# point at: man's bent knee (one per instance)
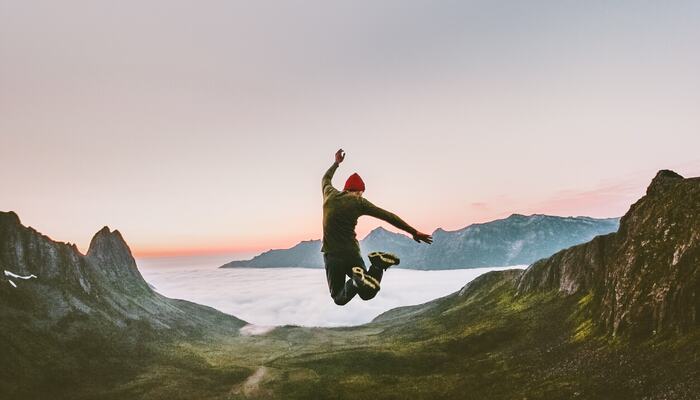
(368, 295)
(340, 301)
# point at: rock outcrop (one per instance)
(645, 278)
(112, 257)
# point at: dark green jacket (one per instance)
(340, 213)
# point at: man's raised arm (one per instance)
(326, 180)
(326, 185)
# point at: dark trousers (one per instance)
(338, 267)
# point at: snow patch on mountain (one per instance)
(13, 275)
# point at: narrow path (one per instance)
(251, 387)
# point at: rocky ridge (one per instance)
(103, 285)
(644, 279)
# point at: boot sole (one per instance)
(387, 258)
(367, 280)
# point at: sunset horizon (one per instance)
(210, 130)
(608, 200)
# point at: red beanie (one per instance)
(355, 183)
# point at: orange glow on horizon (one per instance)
(608, 199)
(178, 251)
(190, 251)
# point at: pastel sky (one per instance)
(202, 126)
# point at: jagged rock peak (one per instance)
(379, 231)
(111, 255)
(662, 180)
(105, 239)
(667, 173)
(109, 248)
(9, 217)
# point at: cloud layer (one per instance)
(298, 296)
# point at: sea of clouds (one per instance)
(294, 296)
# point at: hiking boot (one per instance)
(383, 260)
(363, 281)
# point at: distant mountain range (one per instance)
(516, 240)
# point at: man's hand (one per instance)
(339, 156)
(423, 237)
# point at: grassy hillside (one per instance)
(491, 343)
(488, 342)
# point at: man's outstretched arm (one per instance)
(377, 212)
(326, 184)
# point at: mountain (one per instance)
(304, 254)
(80, 312)
(104, 282)
(644, 279)
(516, 240)
(613, 318)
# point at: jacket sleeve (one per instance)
(370, 209)
(326, 185)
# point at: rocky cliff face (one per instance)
(644, 279)
(104, 286)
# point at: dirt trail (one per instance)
(251, 387)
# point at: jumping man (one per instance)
(341, 251)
